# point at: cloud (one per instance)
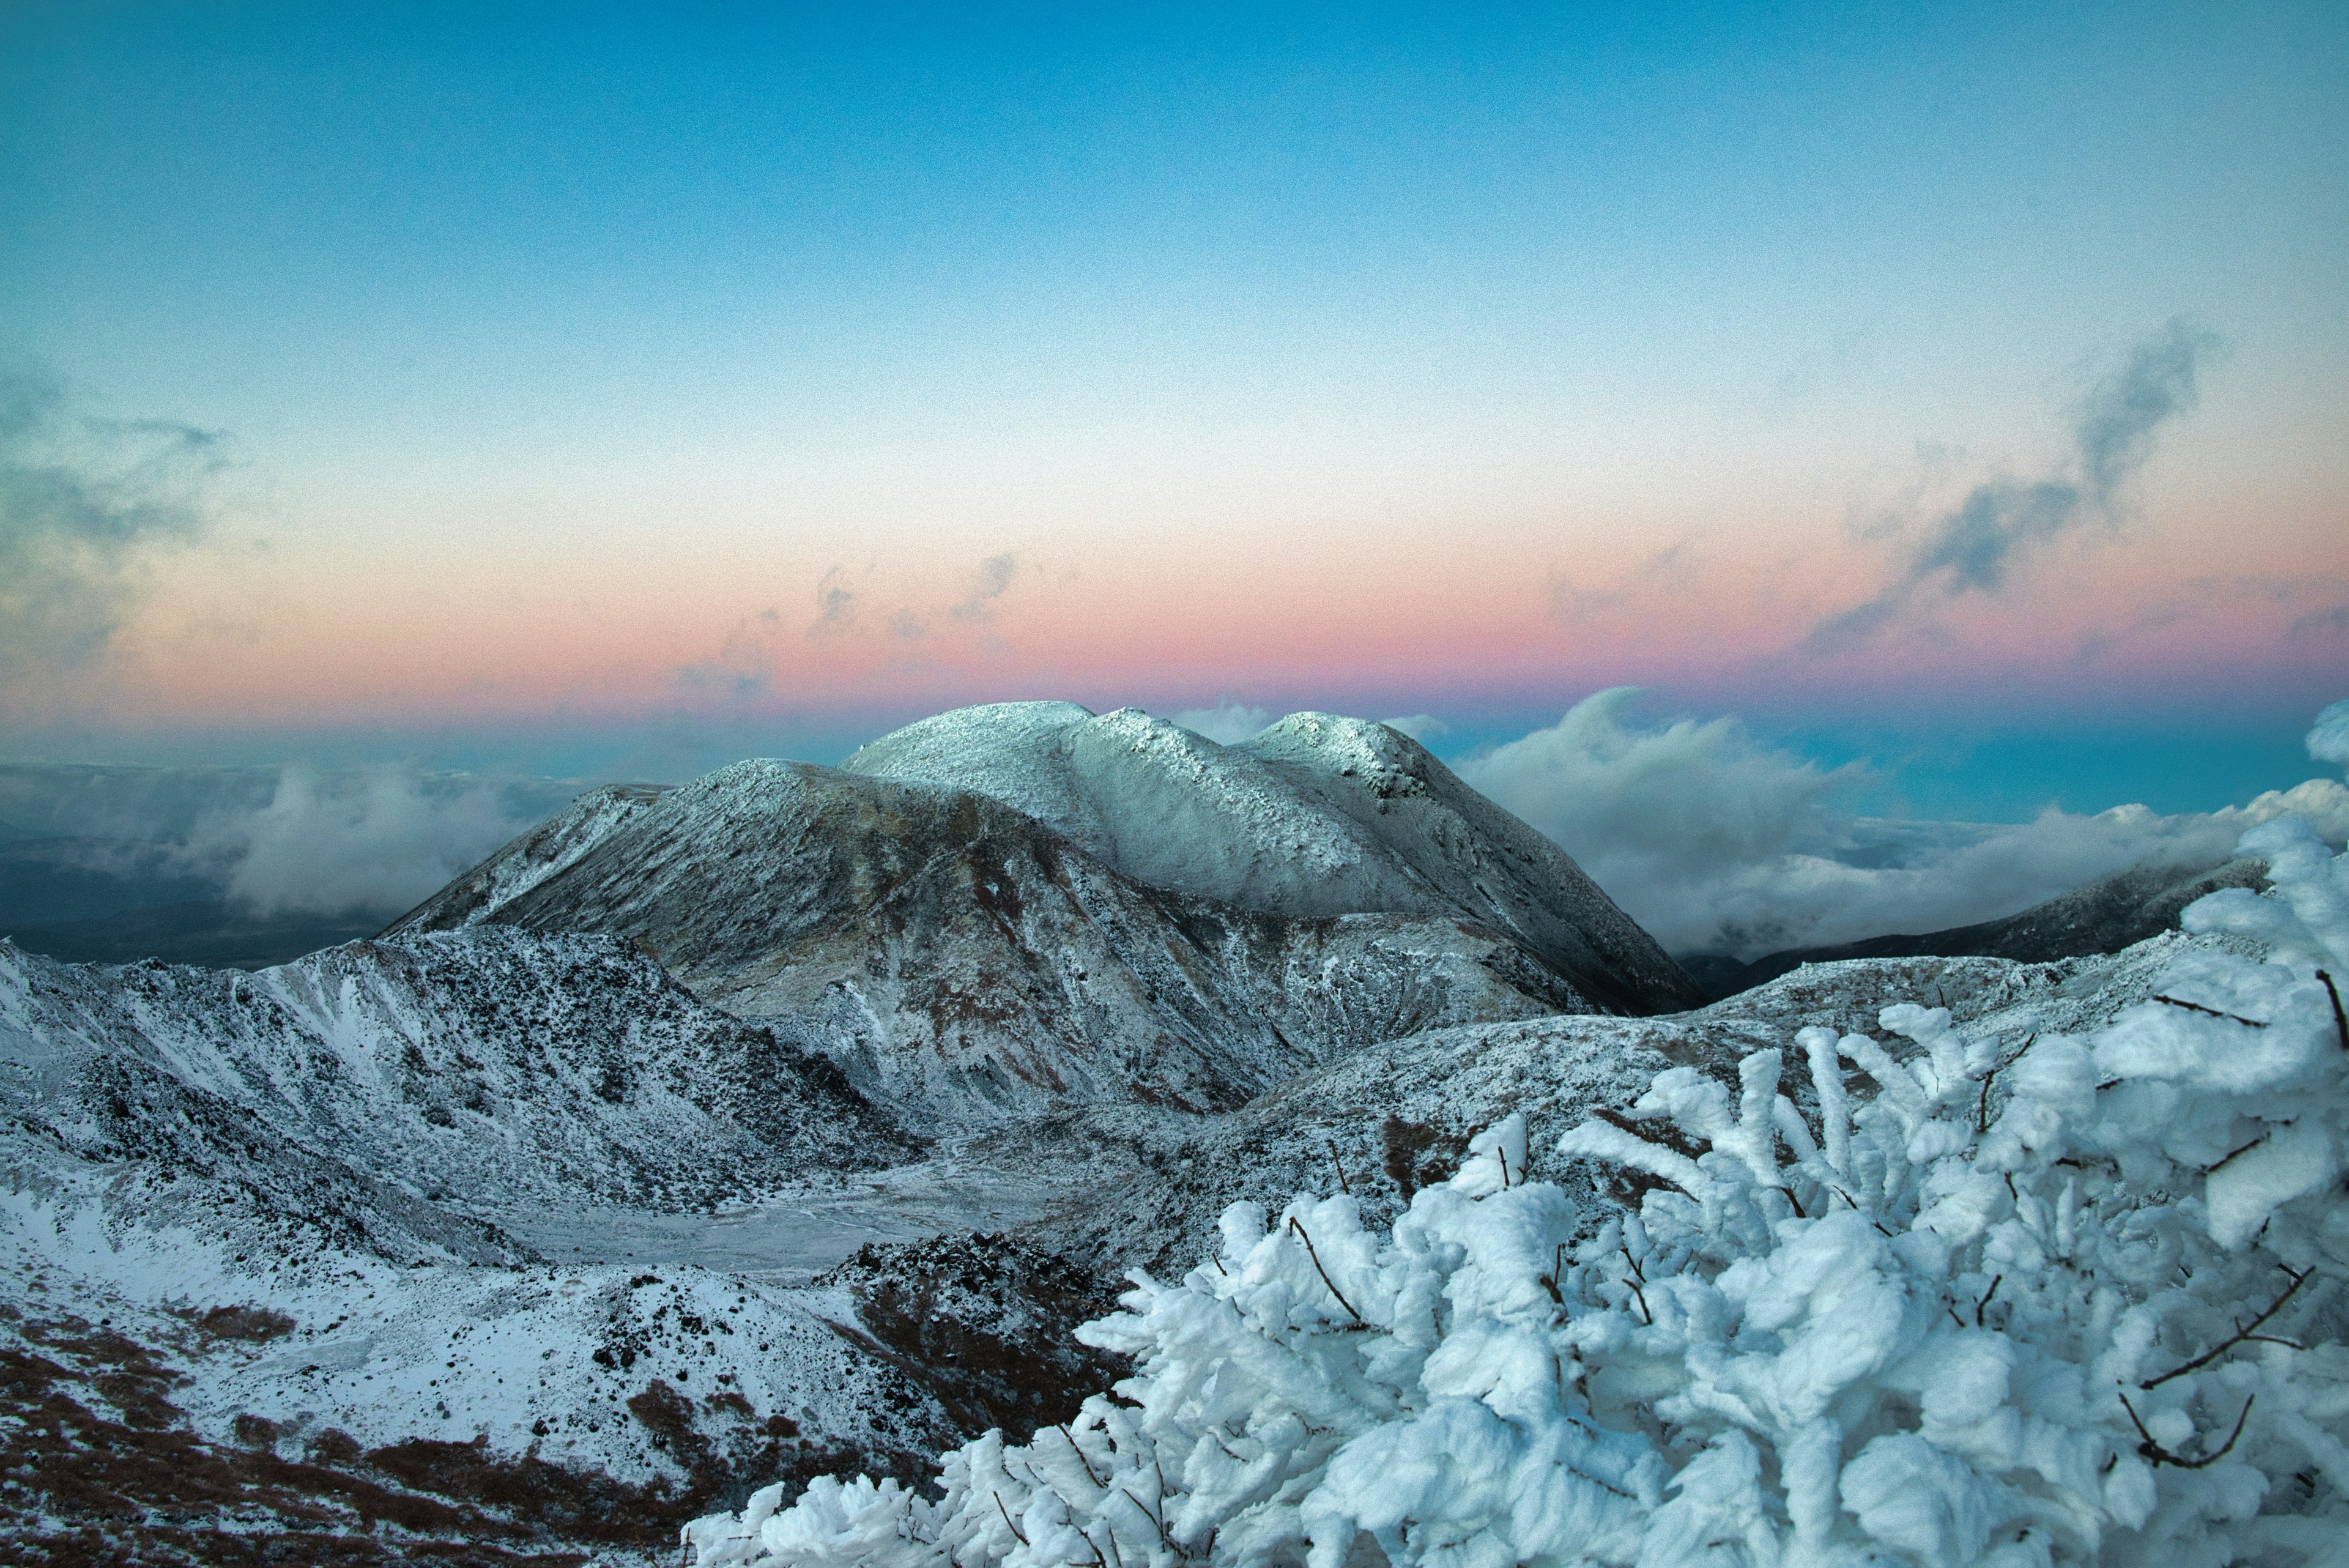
(836, 605)
(1225, 723)
(1570, 602)
(989, 583)
(2328, 738)
(375, 841)
(2331, 621)
(1419, 727)
(84, 501)
(1718, 843)
(1975, 546)
(744, 669)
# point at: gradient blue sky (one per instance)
(566, 364)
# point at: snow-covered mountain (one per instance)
(1316, 816)
(1004, 910)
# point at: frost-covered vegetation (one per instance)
(1941, 1298)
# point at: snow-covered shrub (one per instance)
(1940, 1300)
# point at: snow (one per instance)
(1316, 815)
(1969, 1286)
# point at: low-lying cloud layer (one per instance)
(297, 840)
(1717, 843)
(374, 841)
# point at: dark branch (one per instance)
(1081, 1459)
(2340, 1019)
(1318, 1268)
(2214, 1012)
(2249, 1331)
(1007, 1517)
(1982, 1112)
(2161, 1456)
(1638, 1278)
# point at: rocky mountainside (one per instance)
(949, 948)
(1316, 816)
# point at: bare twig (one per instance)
(1982, 1306)
(1556, 1267)
(2214, 1012)
(1081, 1459)
(1006, 1518)
(1637, 1280)
(1156, 1523)
(2233, 1155)
(1343, 1184)
(2161, 1456)
(2340, 1019)
(1503, 1155)
(2242, 1333)
(1318, 1268)
(1982, 1112)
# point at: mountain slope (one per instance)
(514, 1069)
(1317, 815)
(953, 953)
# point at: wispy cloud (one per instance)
(1419, 727)
(1572, 602)
(835, 604)
(84, 501)
(989, 583)
(744, 669)
(1976, 546)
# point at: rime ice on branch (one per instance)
(1937, 1298)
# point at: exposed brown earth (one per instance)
(98, 1466)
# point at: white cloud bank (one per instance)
(1718, 843)
(375, 840)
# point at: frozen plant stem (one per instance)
(1343, 1184)
(2250, 1332)
(2340, 1019)
(1637, 1280)
(2212, 1011)
(1081, 1459)
(1982, 1112)
(2161, 1456)
(1318, 1268)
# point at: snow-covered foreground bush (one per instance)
(2062, 1299)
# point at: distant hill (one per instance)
(2103, 917)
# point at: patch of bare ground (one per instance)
(985, 1324)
